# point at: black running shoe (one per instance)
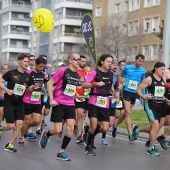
(114, 132)
(162, 142)
(10, 148)
(89, 151)
(92, 144)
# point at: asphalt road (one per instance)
(119, 154)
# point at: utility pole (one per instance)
(166, 36)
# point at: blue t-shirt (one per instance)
(115, 81)
(133, 77)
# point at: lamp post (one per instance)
(166, 36)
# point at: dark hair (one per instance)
(140, 56)
(22, 56)
(4, 65)
(31, 56)
(103, 58)
(82, 56)
(40, 60)
(122, 61)
(43, 55)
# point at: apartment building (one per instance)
(143, 17)
(14, 33)
(66, 35)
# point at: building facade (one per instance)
(14, 33)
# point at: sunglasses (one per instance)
(32, 59)
(76, 59)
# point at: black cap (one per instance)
(157, 65)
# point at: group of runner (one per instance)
(75, 91)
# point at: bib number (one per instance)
(133, 85)
(35, 96)
(119, 105)
(159, 91)
(101, 101)
(19, 89)
(70, 90)
(87, 91)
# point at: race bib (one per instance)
(113, 100)
(35, 96)
(119, 105)
(87, 91)
(19, 89)
(101, 101)
(133, 85)
(70, 90)
(159, 91)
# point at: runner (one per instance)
(154, 96)
(100, 80)
(32, 99)
(62, 103)
(114, 100)
(4, 69)
(18, 80)
(79, 99)
(133, 75)
(121, 118)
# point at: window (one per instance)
(147, 3)
(21, 3)
(98, 33)
(125, 6)
(156, 2)
(132, 52)
(146, 51)
(154, 52)
(98, 11)
(150, 52)
(151, 25)
(133, 28)
(134, 5)
(117, 8)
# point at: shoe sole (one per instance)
(132, 132)
(41, 138)
(63, 159)
(86, 152)
(152, 155)
(9, 150)
(21, 144)
(79, 142)
(162, 145)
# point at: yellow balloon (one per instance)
(43, 20)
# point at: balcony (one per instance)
(68, 20)
(76, 4)
(70, 38)
(16, 49)
(19, 34)
(20, 21)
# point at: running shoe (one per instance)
(89, 150)
(31, 135)
(43, 140)
(79, 139)
(60, 134)
(147, 144)
(134, 133)
(153, 152)
(10, 148)
(63, 156)
(114, 132)
(162, 142)
(38, 132)
(26, 133)
(103, 142)
(21, 141)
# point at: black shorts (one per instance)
(102, 114)
(130, 97)
(86, 104)
(152, 113)
(80, 105)
(32, 108)
(112, 111)
(165, 110)
(47, 104)
(13, 111)
(61, 112)
(1, 103)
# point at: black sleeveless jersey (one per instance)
(157, 90)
